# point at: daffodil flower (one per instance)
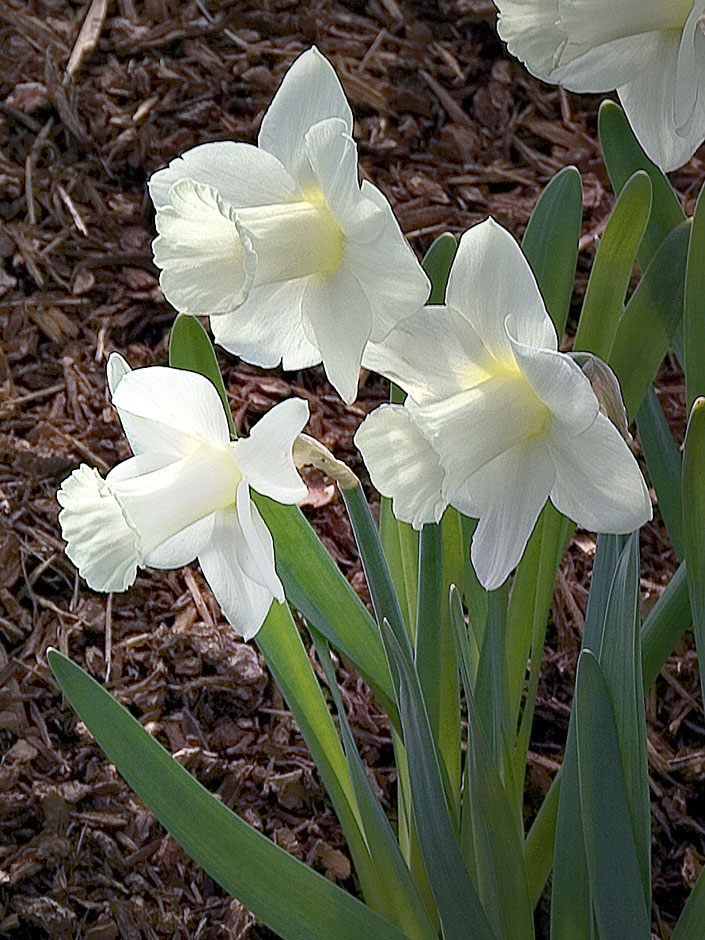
(185, 493)
(294, 261)
(651, 51)
(496, 420)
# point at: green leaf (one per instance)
(693, 484)
(401, 549)
(404, 903)
(650, 319)
(663, 461)
(612, 268)
(316, 587)
(694, 309)
(492, 844)
(280, 643)
(190, 348)
(615, 877)
(437, 264)
(620, 661)
(571, 904)
(624, 157)
(550, 242)
(243, 861)
(690, 924)
(668, 620)
(459, 907)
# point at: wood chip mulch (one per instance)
(94, 97)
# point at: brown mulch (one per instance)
(451, 130)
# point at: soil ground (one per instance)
(451, 129)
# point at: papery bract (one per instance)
(293, 259)
(651, 51)
(496, 420)
(185, 493)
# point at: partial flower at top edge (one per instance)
(650, 51)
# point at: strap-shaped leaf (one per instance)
(437, 264)
(613, 867)
(623, 157)
(690, 924)
(405, 904)
(459, 906)
(620, 660)
(668, 620)
(650, 319)
(315, 586)
(190, 348)
(550, 242)
(612, 268)
(571, 904)
(663, 460)
(694, 524)
(694, 308)
(490, 838)
(296, 902)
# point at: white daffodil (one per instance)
(293, 259)
(496, 420)
(651, 51)
(185, 493)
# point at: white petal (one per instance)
(310, 92)
(606, 66)
(244, 601)
(267, 329)
(161, 497)
(530, 30)
(650, 105)
(117, 368)
(598, 481)
(511, 491)
(688, 80)
(476, 425)
(242, 175)
(205, 267)
(432, 355)
(491, 279)
(388, 270)
(101, 543)
(265, 458)
(181, 549)
(560, 384)
(332, 154)
(337, 318)
(258, 561)
(169, 410)
(402, 464)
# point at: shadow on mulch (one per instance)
(451, 130)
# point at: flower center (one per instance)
(166, 500)
(292, 240)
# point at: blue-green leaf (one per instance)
(243, 861)
(550, 242)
